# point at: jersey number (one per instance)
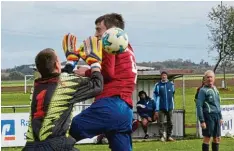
(40, 101)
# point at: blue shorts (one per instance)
(110, 116)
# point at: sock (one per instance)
(205, 147)
(215, 146)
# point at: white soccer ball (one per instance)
(115, 41)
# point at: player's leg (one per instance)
(61, 143)
(169, 125)
(91, 122)
(135, 124)
(119, 133)
(100, 138)
(161, 125)
(207, 132)
(144, 123)
(216, 133)
(104, 115)
(120, 141)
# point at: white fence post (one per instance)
(25, 82)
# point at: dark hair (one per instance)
(164, 72)
(111, 20)
(45, 62)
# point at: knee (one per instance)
(74, 130)
(216, 139)
(144, 123)
(206, 140)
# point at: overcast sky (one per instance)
(157, 30)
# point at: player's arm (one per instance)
(156, 97)
(199, 103)
(91, 52)
(141, 109)
(173, 89)
(108, 67)
(89, 87)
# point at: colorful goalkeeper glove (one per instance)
(69, 48)
(91, 52)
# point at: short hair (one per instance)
(142, 92)
(111, 20)
(208, 72)
(164, 72)
(46, 62)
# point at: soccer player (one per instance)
(111, 113)
(164, 98)
(209, 113)
(146, 109)
(54, 94)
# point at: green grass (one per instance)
(16, 83)
(199, 77)
(181, 145)
(9, 99)
(187, 77)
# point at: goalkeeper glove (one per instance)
(69, 48)
(91, 52)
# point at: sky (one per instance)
(157, 30)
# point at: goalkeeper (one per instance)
(55, 93)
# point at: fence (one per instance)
(178, 120)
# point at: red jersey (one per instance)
(120, 75)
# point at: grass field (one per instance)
(187, 77)
(23, 99)
(16, 83)
(182, 145)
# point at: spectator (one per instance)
(146, 109)
(164, 98)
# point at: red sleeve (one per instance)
(88, 73)
(108, 66)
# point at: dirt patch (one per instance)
(178, 84)
(15, 89)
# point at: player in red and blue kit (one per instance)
(111, 113)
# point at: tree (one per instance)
(16, 75)
(221, 27)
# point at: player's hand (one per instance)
(203, 125)
(155, 116)
(149, 119)
(91, 51)
(221, 121)
(69, 48)
(81, 71)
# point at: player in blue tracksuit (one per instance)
(209, 113)
(146, 109)
(164, 98)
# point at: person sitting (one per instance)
(146, 110)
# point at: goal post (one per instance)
(26, 78)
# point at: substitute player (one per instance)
(111, 113)
(209, 113)
(55, 93)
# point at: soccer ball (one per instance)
(115, 41)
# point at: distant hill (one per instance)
(18, 72)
